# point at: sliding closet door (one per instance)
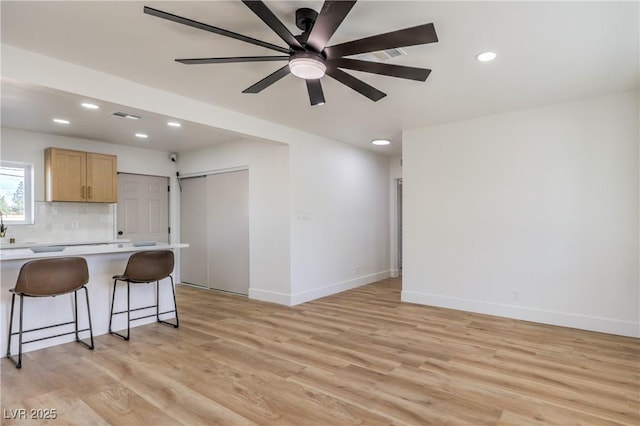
(228, 231)
(193, 230)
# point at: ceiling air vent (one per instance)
(381, 55)
(126, 115)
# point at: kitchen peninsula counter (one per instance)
(81, 250)
(104, 261)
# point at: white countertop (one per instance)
(82, 250)
(5, 245)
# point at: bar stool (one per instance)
(145, 267)
(50, 278)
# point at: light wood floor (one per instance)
(360, 357)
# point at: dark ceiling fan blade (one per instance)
(400, 71)
(268, 80)
(422, 34)
(331, 16)
(356, 84)
(316, 96)
(264, 13)
(212, 29)
(197, 61)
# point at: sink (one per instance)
(46, 249)
(144, 243)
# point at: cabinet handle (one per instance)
(89, 191)
(83, 192)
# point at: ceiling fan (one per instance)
(308, 55)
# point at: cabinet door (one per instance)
(102, 182)
(66, 173)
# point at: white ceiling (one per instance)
(548, 52)
(25, 106)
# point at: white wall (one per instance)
(317, 211)
(531, 215)
(340, 218)
(268, 164)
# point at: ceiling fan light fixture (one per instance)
(307, 67)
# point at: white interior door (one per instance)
(143, 207)
(228, 231)
(194, 260)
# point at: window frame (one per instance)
(29, 202)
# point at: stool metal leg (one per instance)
(18, 362)
(128, 311)
(175, 306)
(86, 293)
(75, 313)
(13, 302)
(113, 297)
(75, 294)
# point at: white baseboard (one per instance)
(583, 322)
(316, 293)
(270, 296)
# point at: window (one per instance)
(16, 192)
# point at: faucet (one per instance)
(3, 228)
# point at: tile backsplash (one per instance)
(66, 222)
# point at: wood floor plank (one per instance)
(166, 394)
(354, 358)
(120, 405)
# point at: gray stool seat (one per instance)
(145, 267)
(49, 278)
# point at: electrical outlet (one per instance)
(357, 269)
(516, 295)
(74, 224)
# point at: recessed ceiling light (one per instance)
(486, 56)
(88, 105)
(60, 121)
(141, 135)
(381, 142)
(174, 124)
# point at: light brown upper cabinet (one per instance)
(80, 176)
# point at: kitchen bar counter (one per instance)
(82, 250)
(104, 261)
(5, 245)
